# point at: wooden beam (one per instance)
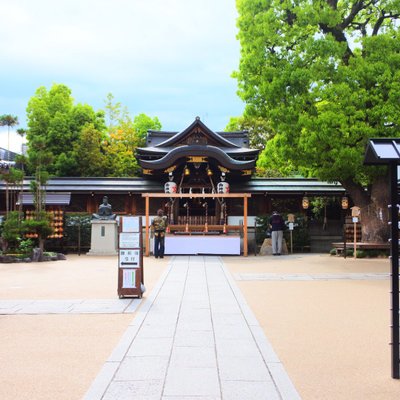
(147, 238)
(245, 244)
(245, 196)
(196, 195)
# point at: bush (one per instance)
(76, 224)
(300, 234)
(26, 246)
(361, 254)
(12, 231)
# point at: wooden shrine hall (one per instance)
(197, 166)
(202, 179)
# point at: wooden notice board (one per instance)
(130, 258)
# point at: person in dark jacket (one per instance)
(276, 224)
(158, 226)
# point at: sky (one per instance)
(167, 58)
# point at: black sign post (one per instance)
(386, 151)
(394, 227)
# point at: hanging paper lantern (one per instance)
(223, 187)
(170, 187)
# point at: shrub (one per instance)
(75, 225)
(361, 254)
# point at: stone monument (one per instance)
(104, 241)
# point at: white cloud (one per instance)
(162, 48)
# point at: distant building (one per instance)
(7, 159)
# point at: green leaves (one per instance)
(323, 93)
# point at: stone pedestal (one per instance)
(266, 248)
(104, 240)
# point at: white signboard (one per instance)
(129, 258)
(130, 224)
(129, 279)
(291, 226)
(129, 240)
(355, 219)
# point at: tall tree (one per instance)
(258, 129)
(326, 74)
(124, 136)
(141, 124)
(9, 121)
(92, 160)
(55, 119)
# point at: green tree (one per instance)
(9, 121)
(55, 119)
(124, 136)
(326, 75)
(92, 160)
(141, 124)
(258, 129)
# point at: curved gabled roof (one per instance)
(212, 135)
(195, 150)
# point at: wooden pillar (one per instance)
(147, 236)
(245, 250)
(134, 201)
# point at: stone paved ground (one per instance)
(194, 338)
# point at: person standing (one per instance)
(158, 226)
(276, 224)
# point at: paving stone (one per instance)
(229, 332)
(183, 381)
(142, 369)
(101, 381)
(237, 347)
(156, 331)
(150, 347)
(124, 344)
(241, 390)
(191, 398)
(193, 357)
(128, 390)
(187, 338)
(242, 368)
(194, 338)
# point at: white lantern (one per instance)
(170, 187)
(223, 187)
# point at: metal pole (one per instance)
(79, 237)
(344, 234)
(395, 271)
(355, 239)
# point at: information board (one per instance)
(129, 240)
(130, 224)
(130, 258)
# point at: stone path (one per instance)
(193, 338)
(310, 277)
(35, 307)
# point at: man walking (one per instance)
(276, 224)
(158, 226)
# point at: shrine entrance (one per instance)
(218, 232)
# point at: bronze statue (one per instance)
(105, 211)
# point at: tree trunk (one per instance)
(374, 209)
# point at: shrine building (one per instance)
(203, 180)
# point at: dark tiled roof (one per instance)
(139, 185)
(382, 151)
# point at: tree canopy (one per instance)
(325, 74)
(77, 141)
(55, 121)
